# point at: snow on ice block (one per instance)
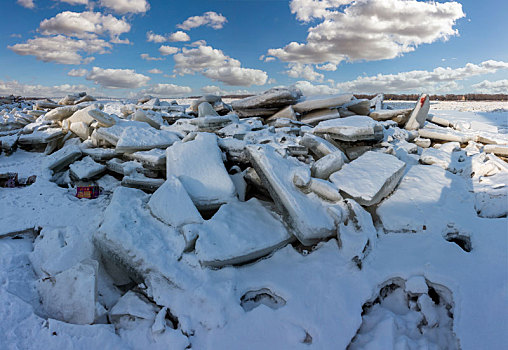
(329, 102)
(329, 164)
(155, 158)
(240, 232)
(57, 249)
(500, 150)
(134, 239)
(419, 114)
(273, 98)
(428, 197)
(317, 145)
(41, 136)
(63, 157)
(387, 114)
(311, 218)
(444, 134)
(86, 168)
(369, 178)
(70, 296)
(355, 128)
(172, 204)
(143, 139)
(198, 165)
(61, 113)
(132, 304)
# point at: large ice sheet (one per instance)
(369, 178)
(198, 165)
(171, 204)
(240, 232)
(143, 139)
(310, 218)
(353, 128)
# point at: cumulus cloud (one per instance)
(155, 38)
(76, 2)
(168, 50)
(492, 87)
(210, 19)
(155, 71)
(126, 6)
(305, 71)
(328, 67)
(117, 78)
(30, 90)
(439, 79)
(215, 90)
(179, 36)
(214, 64)
(166, 90)
(368, 29)
(61, 49)
(197, 43)
(147, 57)
(77, 72)
(29, 4)
(85, 25)
(308, 89)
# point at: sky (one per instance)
(164, 48)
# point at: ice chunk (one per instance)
(132, 304)
(70, 296)
(287, 113)
(419, 114)
(86, 168)
(100, 154)
(134, 239)
(199, 166)
(359, 107)
(353, 128)
(306, 213)
(140, 181)
(369, 178)
(63, 157)
(155, 158)
(81, 129)
(444, 134)
(317, 145)
(500, 150)
(314, 117)
(61, 113)
(387, 114)
(240, 232)
(329, 164)
(273, 98)
(206, 110)
(142, 139)
(329, 102)
(171, 204)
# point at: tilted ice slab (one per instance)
(369, 178)
(63, 157)
(240, 232)
(86, 168)
(329, 102)
(419, 114)
(427, 197)
(171, 204)
(273, 98)
(143, 139)
(311, 218)
(70, 296)
(198, 165)
(133, 238)
(354, 128)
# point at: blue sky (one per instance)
(321, 46)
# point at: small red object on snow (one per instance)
(89, 192)
(422, 101)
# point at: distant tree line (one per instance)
(448, 97)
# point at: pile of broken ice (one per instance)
(233, 183)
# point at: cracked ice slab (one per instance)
(240, 232)
(198, 165)
(311, 218)
(133, 238)
(369, 178)
(354, 128)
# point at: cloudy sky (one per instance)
(182, 48)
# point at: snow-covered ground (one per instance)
(429, 272)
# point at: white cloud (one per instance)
(84, 25)
(61, 49)
(166, 90)
(439, 79)
(147, 57)
(212, 89)
(155, 38)
(492, 87)
(16, 88)
(305, 71)
(368, 29)
(210, 19)
(214, 64)
(155, 71)
(179, 36)
(197, 43)
(126, 6)
(117, 78)
(77, 72)
(29, 4)
(328, 67)
(76, 2)
(168, 50)
(308, 89)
